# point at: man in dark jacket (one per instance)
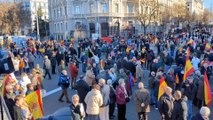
(83, 88)
(151, 87)
(189, 92)
(53, 62)
(166, 104)
(180, 107)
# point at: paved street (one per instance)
(51, 103)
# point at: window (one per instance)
(66, 25)
(104, 7)
(55, 27)
(58, 27)
(116, 8)
(130, 8)
(77, 10)
(60, 11)
(62, 26)
(54, 14)
(65, 10)
(91, 8)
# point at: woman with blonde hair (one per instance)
(24, 81)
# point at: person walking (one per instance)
(46, 67)
(73, 73)
(180, 107)
(94, 100)
(64, 84)
(121, 95)
(166, 104)
(53, 63)
(105, 91)
(142, 100)
(139, 72)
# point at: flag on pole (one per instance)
(207, 91)
(34, 101)
(188, 70)
(162, 87)
(177, 80)
(188, 52)
(4, 84)
(191, 41)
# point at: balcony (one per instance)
(90, 15)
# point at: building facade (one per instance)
(84, 18)
(33, 6)
(195, 6)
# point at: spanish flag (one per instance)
(34, 100)
(207, 47)
(188, 52)
(4, 84)
(177, 80)
(188, 70)
(128, 49)
(191, 41)
(207, 91)
(162, 87)
(102, 64)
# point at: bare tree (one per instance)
(206, 16)
(148, 11)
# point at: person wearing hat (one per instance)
(82, 88)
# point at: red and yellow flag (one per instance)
(162, 87)
(5, 82)
(34, 100)
(188, 70)
(102, 64)
(207, 91)
(207, 47)
(188, 52)
(128, 49)
(191, 41)
(177, 80)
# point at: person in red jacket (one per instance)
(73, 73)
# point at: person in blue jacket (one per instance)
(64, 84)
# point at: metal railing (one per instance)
(4, 112)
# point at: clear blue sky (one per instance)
(208, 3)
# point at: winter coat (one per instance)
(189, 91)
(166, 106)
(197, 117)
(76, 111)
(139, 72)
(120, 95)
(63, 81)
(83, 88)
(180, 110)
(47, 64)
(112, 95)
(151, 83)
(170, 81)
(142, 96)
(156, 85)
(53, 61)
(93, 100)
(73, 70)
(105, 91)
(200, 90)
(90, 77)
(18, 114)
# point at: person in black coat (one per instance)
(166, 104)
(203, 115)
(82, 88)
(53, 63)
(59, 57)
(77, 110)
(112, 97)
(180, 107)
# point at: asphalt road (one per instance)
(51, 103)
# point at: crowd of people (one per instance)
(109, 73)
